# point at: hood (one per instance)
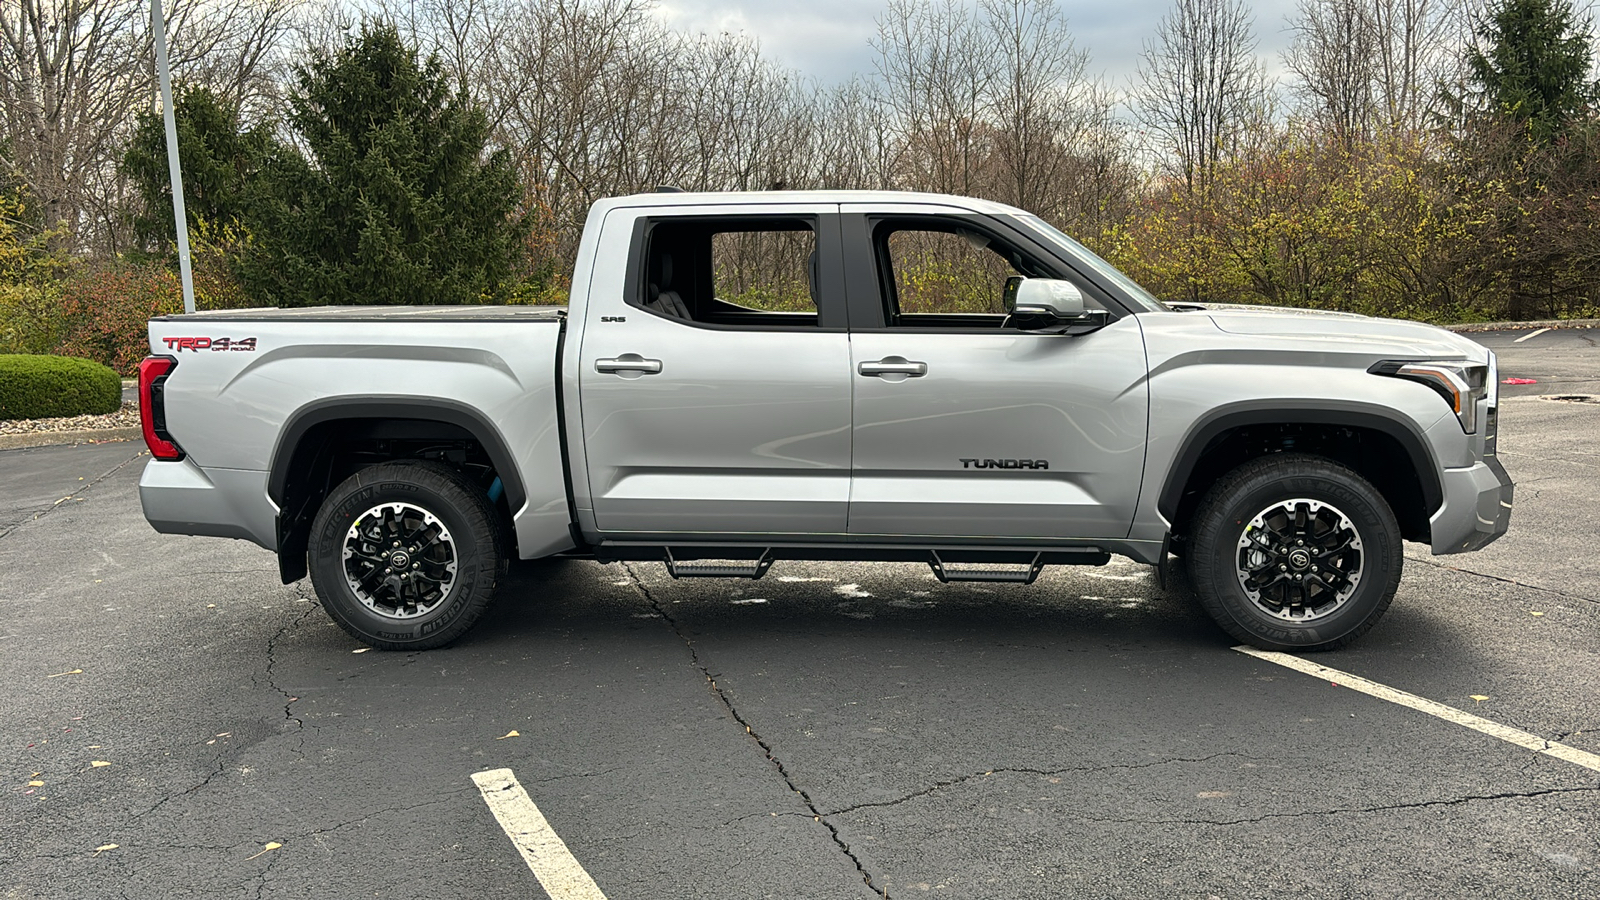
(1397, 337)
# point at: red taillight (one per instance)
(153, 372)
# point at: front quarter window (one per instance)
(1102, 269)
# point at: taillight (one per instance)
(153, 372)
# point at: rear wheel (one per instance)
(1295, 552)
(406, 555)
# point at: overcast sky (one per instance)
(827, 39)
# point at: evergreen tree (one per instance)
(219, 161)
(1531, 63)
(397, 201)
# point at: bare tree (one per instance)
(74, 72)
(1370, 64)
(937, 77)
(1038, 97)
(1415, 52)
(1335, 55)
(1202, 86)
(70, 78)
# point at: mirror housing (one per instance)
(1049, 297)
(1050, 305)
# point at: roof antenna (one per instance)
(668, 189)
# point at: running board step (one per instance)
(752, 570)
(1025, 575)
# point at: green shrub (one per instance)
(43, 387)
(106, 308)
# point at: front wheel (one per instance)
(406, 555)
(1295, 552)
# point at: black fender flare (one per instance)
(291, 540)
(1346, 413)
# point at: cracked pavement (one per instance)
(829, 731)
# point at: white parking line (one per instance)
(1531, 334)
(559, 873)
(1448, 713)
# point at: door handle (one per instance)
(629, 362)
(894, 365)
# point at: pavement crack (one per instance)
(14, 526)
(1503, 580)
(446, 797)
(1338, 811)
(303, 591)
(1016, 770)
(727, 702)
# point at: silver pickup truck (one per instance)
(749, 377)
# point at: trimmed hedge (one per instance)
(44, 387)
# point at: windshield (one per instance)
(1102, 268)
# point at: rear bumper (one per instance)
(182, 498)
(1476, 508)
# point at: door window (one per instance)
(936, 273)
(750, 271)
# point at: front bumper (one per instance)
(1476, 508)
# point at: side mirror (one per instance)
(1043, 297)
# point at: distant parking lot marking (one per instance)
(1448, 713)
(559, 873)
(1531, 334)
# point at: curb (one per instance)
(1524, 326)
(55, 438)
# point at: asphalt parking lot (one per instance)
(178, 724)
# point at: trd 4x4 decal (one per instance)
(206, 343)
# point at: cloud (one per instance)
(828, 39)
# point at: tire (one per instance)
(424, 555)
(1268, 591)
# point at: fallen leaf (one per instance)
(1478, 697)
(269, 847)
(512, 733)
(98, 763)
(103, 848)
(211, 606)
(59, 674)
(361, 650)
(35, 784)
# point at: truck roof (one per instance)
(739, 198)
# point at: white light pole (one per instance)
(179, 217)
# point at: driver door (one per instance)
(965, 427)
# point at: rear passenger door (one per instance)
(716, 390)
(965, 427)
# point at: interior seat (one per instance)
(663, 299)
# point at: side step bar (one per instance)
(949, 564)
(752, 570)
(1025, 575)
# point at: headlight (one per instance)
(1460, 383)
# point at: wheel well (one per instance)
(325, 453)
(1375, 455)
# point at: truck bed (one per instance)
(377, 314)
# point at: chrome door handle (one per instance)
(894, 365)
(629, 362)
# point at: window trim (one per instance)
(865, 271)
(832, 312)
